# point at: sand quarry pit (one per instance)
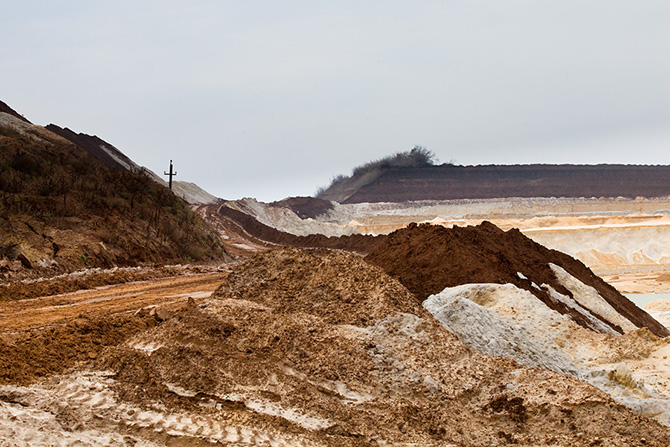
(294, 348)
(613, 236)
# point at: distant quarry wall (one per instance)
(609, 235)
(449, 182)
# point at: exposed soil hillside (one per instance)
(445, 182)
(295, 348)
(428, 258)
(63, 209)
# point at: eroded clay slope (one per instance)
(252, 235)
(64, 209)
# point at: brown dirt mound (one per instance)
(305, 207)
(427, 258)
(337, 287)
(324, 346)
(48, 351)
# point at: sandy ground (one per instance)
(166, 292)
(654, 281)
(208, 374)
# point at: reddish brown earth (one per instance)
(318, 334)
(427, 258)
(21, 290)
(48, 334)
(51, 351)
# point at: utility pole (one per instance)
(170, 174)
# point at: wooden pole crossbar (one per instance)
(170, 174)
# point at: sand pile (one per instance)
(660, 309)
(503, 320)
(508, 296)
(295, 215)
(315, 348)
(320, 348)
(608, 235)
(427, 258)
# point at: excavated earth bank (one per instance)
(25, 357)
(427, 258)
(399, 184)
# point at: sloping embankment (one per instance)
(428, 258)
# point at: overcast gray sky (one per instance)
(269, 99)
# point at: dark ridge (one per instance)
(93, 144)
(355, 243)
(65, 209)
(6, 109)
(427, 258)
(305, 207)
(449, 182)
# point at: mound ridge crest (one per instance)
(428, 258)
(336, 286)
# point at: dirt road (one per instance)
(166, 292)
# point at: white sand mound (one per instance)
(503, 320)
